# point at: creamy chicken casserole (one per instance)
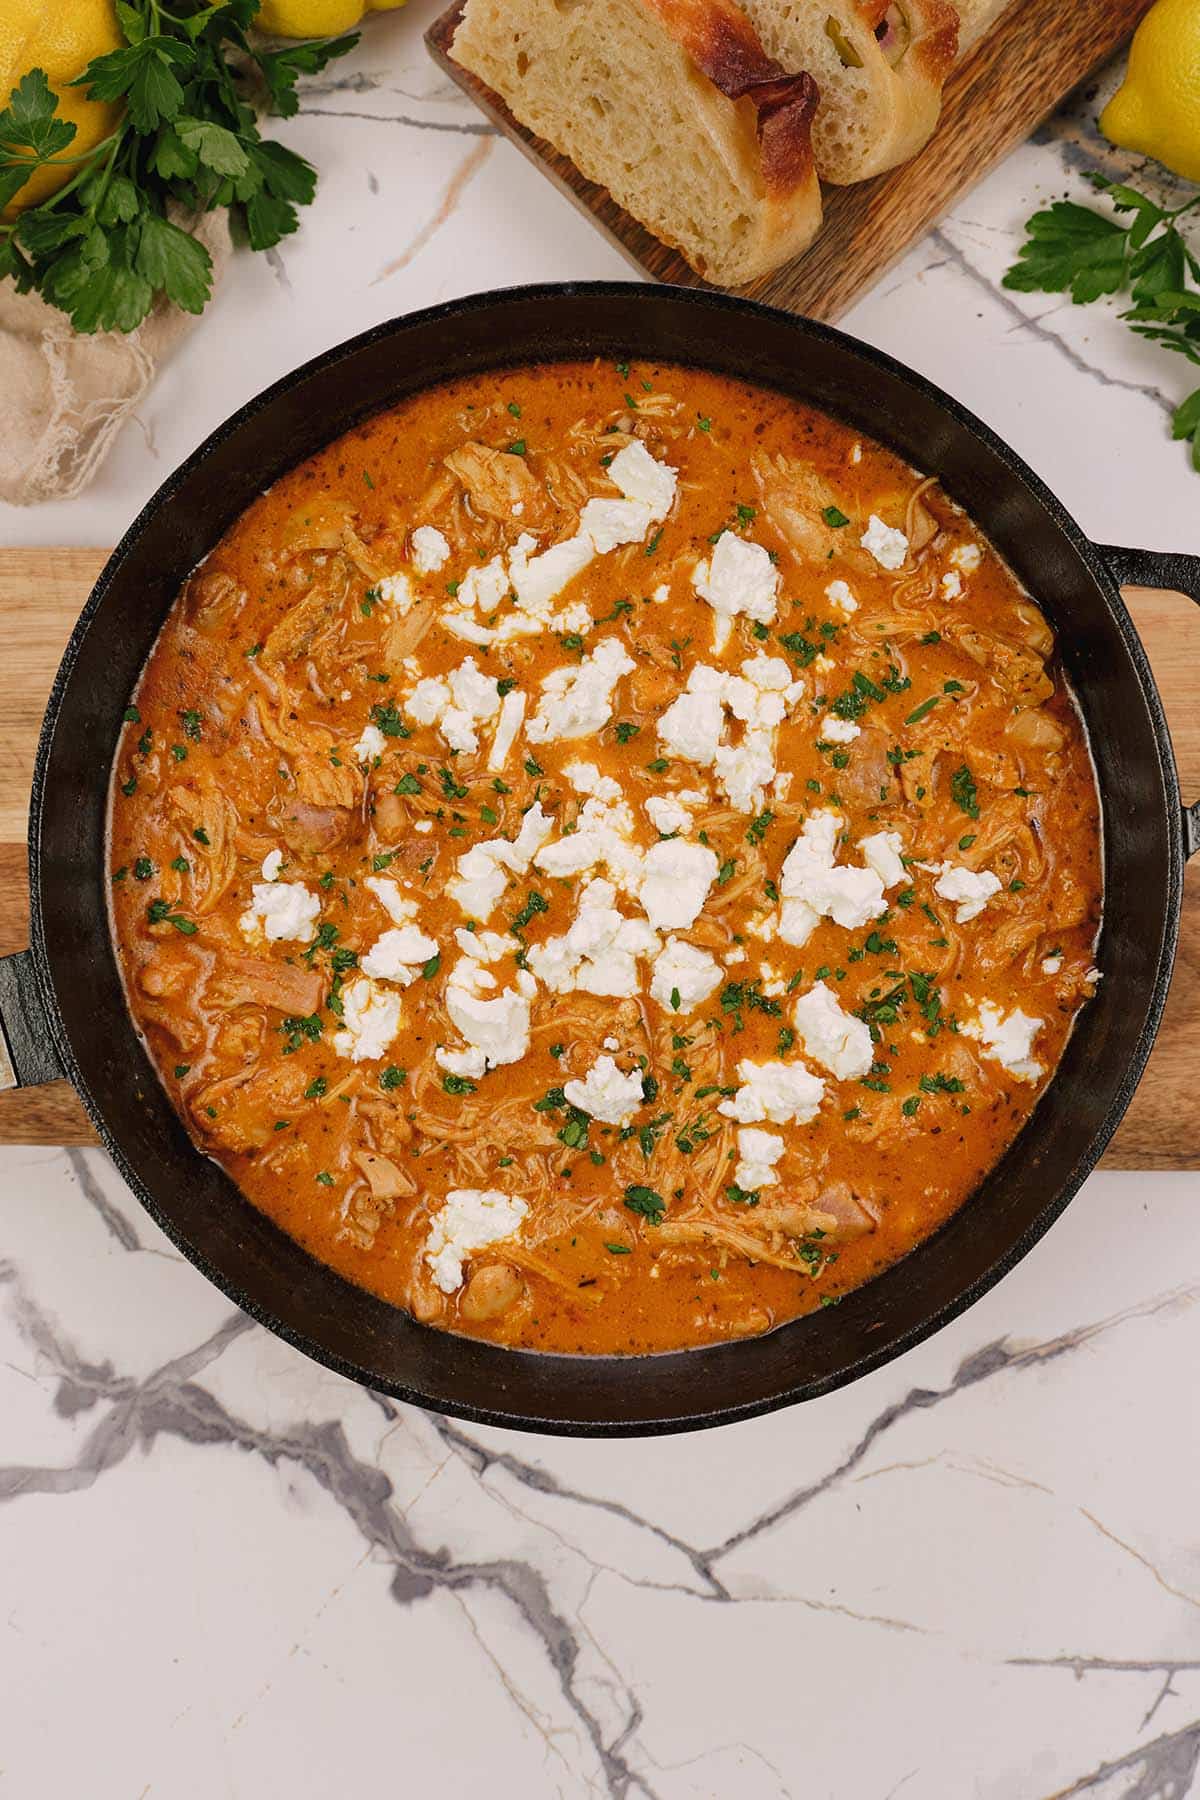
(605, 856)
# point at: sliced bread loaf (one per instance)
(674, 107)
(880, 68)
(975, 19)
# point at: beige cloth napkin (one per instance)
(64, 397)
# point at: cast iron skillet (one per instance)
(61, 1004)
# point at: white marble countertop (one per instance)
(975, 1575)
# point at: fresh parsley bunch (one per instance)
(1078, 250)
(103, 247)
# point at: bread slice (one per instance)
(975, 19)
(674, 107)
(880, 69)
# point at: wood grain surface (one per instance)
(1037, 52)
(41, 592)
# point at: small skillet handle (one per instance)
(27, 1054)
(1172, 569)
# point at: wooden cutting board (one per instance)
(42, 591)
(1036, 53)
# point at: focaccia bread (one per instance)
(880, 67)
(675, 107)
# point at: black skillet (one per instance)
(61, 1004)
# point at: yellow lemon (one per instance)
(316, 18)
(1157, 109)
(61, 37)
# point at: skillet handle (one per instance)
(1160, 569)
(27, 1054)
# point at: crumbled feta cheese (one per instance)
(747, 769)
(661, 594)
(455, 705)
(483, 588)
(538, 580)
(832, 1037)
(396, 590)
(951, 585)
(428, 700)
(813, 888)
(839, 731)
(474, 693)
(471, 1219)
(471, 1063)
(738, 578)
(612, 1043)
(838, 594)
(883, 853)
(371, 744)
(484, 946)
(606, 1093)
(496, 1022)
(666, 814)
(855, 453)
(272, 863)
(691, 726)
(640, 478)
(370, 1020)
(586, 778)
(781, 1092)
(759, 1151)
(603, 834)
(888, 546)
(683, 976)
(1007, 1041)
(399, 955)
(481, 877)
(675, 882)
(430, 549)
(508, 726)
(576, 617)
(284, 911)
(577, 701)
(1051, 965)
(598, 953)
(972, 890)
(966, 557)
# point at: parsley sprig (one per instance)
(103, 247)
(1088, 254)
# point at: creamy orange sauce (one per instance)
(246, 739)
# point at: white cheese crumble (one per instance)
(759, 1151)
(272, 863)
(970, 889)
(471, 1063)
(883, 853)
(839, 731)
(838, 593)
(396, 590)
(371, 744)
(586, 778)
(667, 815)
(951, 585)
(781, 1092)
(430, 549)
(482, 877)
(508, 727)
(282, 911)
(399, 955)
(599, 951)
(603, 834)
(492, 1019)
(693, 726)
(1008, 1041)
(370, 1020)
(966, 557)
(675, 881)
(606, 1093)
(470, 1219)
(484, 946)
(683, 976)
(577, 701)
(832, 1037)
(812, 887)
(738, 578)
(888, 546)
(1051, 965)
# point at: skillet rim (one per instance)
(1015, 467)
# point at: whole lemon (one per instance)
(61, 37)
(316, 18)
(1157, 109)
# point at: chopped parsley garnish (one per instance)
(644, 1201)
(625, 731)
(430, 969)
(727, 871)
(392, 1077)
(534, 903)
(316, 1088)
(757, 830)
(297, 1031)
(920, 712)
(834, 517)
(407, 784)
(386, 716)
(963, 792)
(458, 1084)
